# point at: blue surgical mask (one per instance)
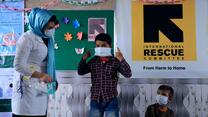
(50, 33)
(162, 100)
(103, 51)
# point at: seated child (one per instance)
(160, 108)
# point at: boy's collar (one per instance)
(163, 109)
(104, 59)
(98, 58)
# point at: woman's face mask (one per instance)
(103, 51)
(50, 33)
(162, 100)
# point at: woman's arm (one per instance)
(23, 50)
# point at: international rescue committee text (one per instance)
(164, 52)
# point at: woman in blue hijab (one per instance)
(35, 64)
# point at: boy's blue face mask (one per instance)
(162, 100)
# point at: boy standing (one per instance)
(104, 68)
(160, 108)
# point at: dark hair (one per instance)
(54, 19)
(104, 37)
(168, 88)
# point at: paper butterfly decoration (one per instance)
(26, 19)
(66, 20)
(79, 35)
(57, 26)
(79, 50)
(68, 36)
(56, 46)
(76, 24)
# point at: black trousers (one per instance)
(13, 115)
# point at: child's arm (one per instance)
(84, 67)
(124, 67)
(172, 113)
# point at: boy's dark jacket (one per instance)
(153, 111)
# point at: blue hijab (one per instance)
(38, 18)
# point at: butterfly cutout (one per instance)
(79, 35)
(76, 24)
(79, 50)
(57, 26)
(56, 46)
(66, 20)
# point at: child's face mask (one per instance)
(162, 100)
(50, 33)
(103, 51)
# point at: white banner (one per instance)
(188, 25)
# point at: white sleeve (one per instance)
(23, 50)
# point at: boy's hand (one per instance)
(87, 55)
(119, 55)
